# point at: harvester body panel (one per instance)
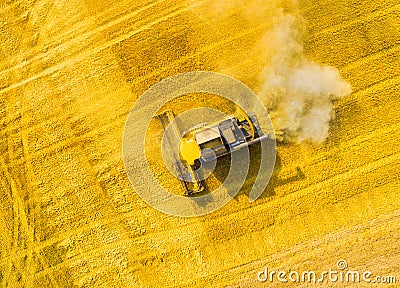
(204, 143)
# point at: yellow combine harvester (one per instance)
(203, 143)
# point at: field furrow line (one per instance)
(89, 38)
(75, 38)
(329, 19)
(21, 218)
(362, 19)
(253, 267)
(371, 57)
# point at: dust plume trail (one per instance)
(299, 93)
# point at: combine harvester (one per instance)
(203, 143)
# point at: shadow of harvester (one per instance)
(224, 165)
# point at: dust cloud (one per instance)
(297, 92)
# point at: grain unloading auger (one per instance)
(203, 143)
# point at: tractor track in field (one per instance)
(81, 35)
(20, 219)
(80, 55)
(362, 19)
(371, 166)
(334, 18)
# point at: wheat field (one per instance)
(71, 71)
